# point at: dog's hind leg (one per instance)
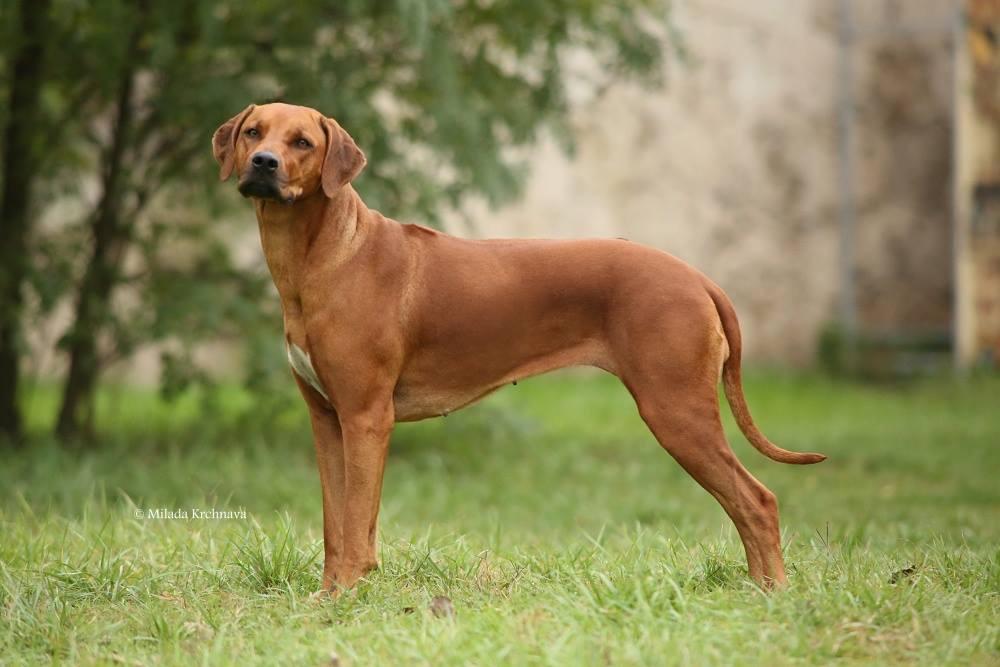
(688, 428)
(677, 397)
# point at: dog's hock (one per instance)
(302, 365)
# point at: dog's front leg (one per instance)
(330, 460)
(366, 444)
(329, 443)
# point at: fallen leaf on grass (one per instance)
(905, 573)
(442, 607)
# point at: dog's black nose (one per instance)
(265, 161)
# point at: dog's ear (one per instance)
(343, 161)
(224, 142)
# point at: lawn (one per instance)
(560, 531)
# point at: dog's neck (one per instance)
(289, 232)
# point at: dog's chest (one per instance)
(301, 363)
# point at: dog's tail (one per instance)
(733, 384)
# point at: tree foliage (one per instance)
(436, 92)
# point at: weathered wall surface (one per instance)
(977, 186)
(733, 166)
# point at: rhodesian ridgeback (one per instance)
(388, 322)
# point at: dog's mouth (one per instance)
(260, 188)
(270, 188)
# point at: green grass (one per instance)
(559, 529)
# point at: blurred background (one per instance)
(831, 163)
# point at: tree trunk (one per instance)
(110, 235)
(18, 168)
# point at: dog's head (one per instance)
(285, 152)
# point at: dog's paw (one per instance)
(325, 595)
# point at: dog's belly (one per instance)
(415, 403)
(437, 391)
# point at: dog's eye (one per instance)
(251, 132)
(303, 143)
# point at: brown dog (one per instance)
(387, 322)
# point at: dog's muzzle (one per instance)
(261, 187)
(261, 179)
